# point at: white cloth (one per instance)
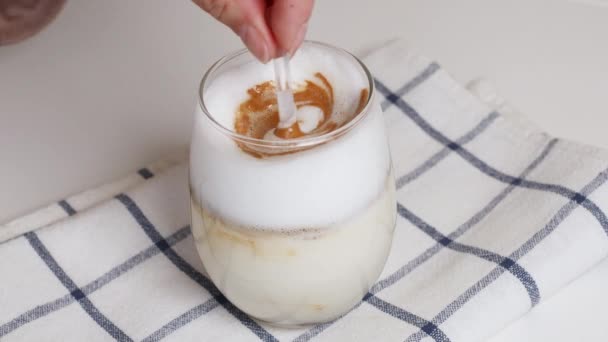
(494, 216)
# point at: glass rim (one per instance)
(309, 141)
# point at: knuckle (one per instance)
(217, 8)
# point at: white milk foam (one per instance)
(308, 189)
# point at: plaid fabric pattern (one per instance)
(494, 216)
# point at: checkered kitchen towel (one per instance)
(494, 216)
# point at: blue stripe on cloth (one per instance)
(67, 207)
(487, 169)
(182, 320)
(190, 271)
(35, 313)
(509, 264)
(444, 152)
(77, 293)
(431, 329)
(413, 83)
(431, 251)
(476, 288)
(145, 173)
(61, 302)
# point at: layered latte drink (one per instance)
(293, 225)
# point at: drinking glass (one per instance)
(298, 233)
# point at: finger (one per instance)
(247, 19)
(288, 21)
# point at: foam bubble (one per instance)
(309, 118)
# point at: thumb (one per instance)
(247, 19)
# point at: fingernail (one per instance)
(298, 39)
(255, 42)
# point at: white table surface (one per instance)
(111, 85)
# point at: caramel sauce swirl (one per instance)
(259, 115)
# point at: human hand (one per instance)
(269, 28)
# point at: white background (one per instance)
(111, 85)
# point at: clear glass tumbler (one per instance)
(292, 232)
